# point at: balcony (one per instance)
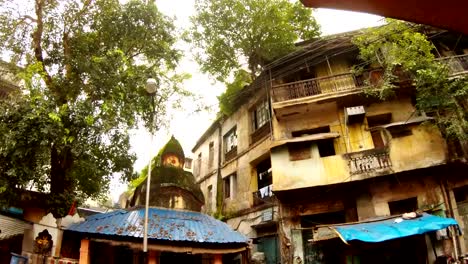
(260, 133)
(300, 97)
(457, 64)
(317, 86)
(232, 153)
(373, 161)
(263, 195)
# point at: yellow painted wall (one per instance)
(424, 148)
(309, 172)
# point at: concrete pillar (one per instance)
(218, 259)
(58, 243)
(153, 257)
(84, 252)
(365, 206)
(28, 241)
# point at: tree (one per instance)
(84, 66)
(400, 47)
(227, 33)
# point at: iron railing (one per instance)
(457, 64)
(232, 153)
(368, 161)
(316, 86)
(263, 195)
(260, 133)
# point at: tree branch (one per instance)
(37, 39)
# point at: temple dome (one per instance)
(171, 186)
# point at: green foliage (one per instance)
(229, 33)
(227, 100)
(399, 47)
(173, 146)
(84, 66)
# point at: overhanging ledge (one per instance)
(313, 137)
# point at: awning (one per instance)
(410, 121)
(10, 227)
(314, 137)
(383, 230)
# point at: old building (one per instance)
(307, 150)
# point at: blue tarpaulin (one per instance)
(382, 230)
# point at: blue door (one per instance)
(269, 246)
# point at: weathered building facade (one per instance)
(328, 154)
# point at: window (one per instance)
(264, 177)
(227, 187)
(318, 130)
(188, 163)
(299, 151)
(209, 198)
(461, 194)
(261, 114)
(198, 167)
(400, 131)
(377, 139)
(211, 155)
(378, 120)
(260, 117)
(326, 147)
(230, 144)
(403, 206)
(264, 182)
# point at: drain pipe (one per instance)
(219, 178)
(449, 210)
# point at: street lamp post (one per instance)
(151, 86)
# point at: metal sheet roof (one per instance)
(163, 224)
(10, 227)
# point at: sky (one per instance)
(187, 126)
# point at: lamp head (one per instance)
(151, 86)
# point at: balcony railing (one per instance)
(232, 153)
(260, 133)
(368, 161)
(316, 86)
(456, 64)
(263, 195)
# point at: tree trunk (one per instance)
(61, 185)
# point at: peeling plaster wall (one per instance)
(243, 165)
(375, 201)
(425, 147)
(205, 169)
(246, 182)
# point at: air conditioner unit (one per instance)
(355, 114)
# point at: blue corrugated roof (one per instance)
(163, 224)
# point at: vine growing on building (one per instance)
(399, 47)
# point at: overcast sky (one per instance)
(187, 126)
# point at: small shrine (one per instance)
(177, 231)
